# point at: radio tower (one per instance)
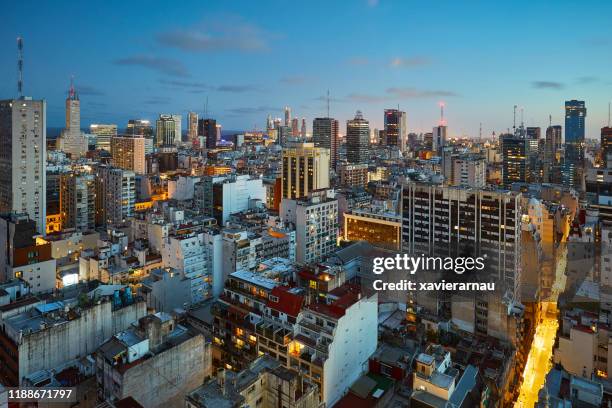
(20, 66)
(441, 113)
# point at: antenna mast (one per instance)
(20, 66)
(514, 120)
(441, 113)
(480, 133)
(549, 120)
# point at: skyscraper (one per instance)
(140, 127)
(606, 144)
(514, 153)
(103, 133)
(287, 116)
(305, 168)
(551, 172)
(357, 139)
(168, 130)
(23, 155)
(72, 140)
(325, 134)
(192, 126)
(395, 128)
(295, 127)
(575, 114)
(438, 140)
(303, 130)
(534, 133)
(207, 128)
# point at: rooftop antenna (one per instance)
(522, 122)
(206, 108)
(480, 133)
(71, 92)
(20, 66)
(328, 103)
(549, 120)
(514, 121)
(441, 113)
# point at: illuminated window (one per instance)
(313, 284)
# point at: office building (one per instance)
(192, 128)
(315, 218)
(357, 140)
(128, 153)
(396, 129)
(140, 127)
(575, 114)
(168, 130)
(295, 127)
(438, 138)
(515, 163)
(469, 171)
(305, 168)
(287, 116)
(606, 145)
(72, 140)
(382, 229)
(104, 134)
(23, 157)
(533, 133)
(207, 128)
(325, 135)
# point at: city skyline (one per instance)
(139, 64)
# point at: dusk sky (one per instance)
(250, 58)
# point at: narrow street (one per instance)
(539, 360)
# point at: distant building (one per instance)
(357, 140)
(606, 145)
(515, 163)
(396, 130)
(104, 134)
(469, 171)
(325, 134)
(354, 175)
(72, 140)
(207, 128)
(23, 134)
(115, 195)
(168, 130)
(192, 128)
(575, 114)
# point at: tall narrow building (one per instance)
(606, 145)
(23, 155)
(168, 130)
(287, 116)
(395, 129)
(72, 140)
(575, 114)
(207, 128)
(305, 168)
(438, 139)
(192, 126)
(357, 140)
(515, 163)
(325, 134)
(551, 171)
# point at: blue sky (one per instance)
(135, 59)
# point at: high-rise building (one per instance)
(606, 145)
(103, 133)
(192, 126)
(534, 132)
(325, 134)
(438, 139)
(395, 129)
(551, 171)
(207, 128)
(168, 130)
(305, 168)
(303, 131)
(357, 140)
(515, 163)
(115, 195)
(77, 201)
(72, 140)
(469, 171)
(295, 127)
(23, 156)
(287, 116)
(140, 127)
(128, 153)
(575, 114)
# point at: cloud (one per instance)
(396, 94)
(587, 79)
(411, 62)
(358, 61)
(294, 80)
(89, 90)
(246, 111)
(157, 100)
(547, 85)
(409, 93)
(165, 66)
(234, 34)
(201, 87)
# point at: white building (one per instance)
(316, 224)
(187, 254)
(469, 171)
(22, 167)
(73, 141)
(234, 194)
(117, 189)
